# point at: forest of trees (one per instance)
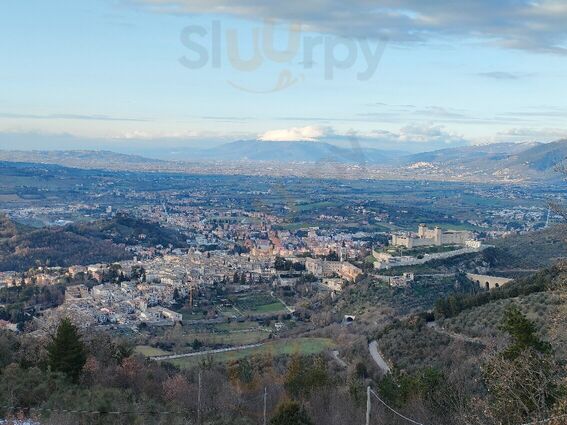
(98, 242)
(23, 248)
(546, 279)
(74, 378)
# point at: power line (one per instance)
(188, 412)
(199, 401)
(547, 220)
(370, 391)
(265, 403)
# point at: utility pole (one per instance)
(368, 404)
(547, 220)
(199, 401)
(265, 403)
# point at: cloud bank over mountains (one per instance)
(410, 138)
(296, 134)
(423, 135)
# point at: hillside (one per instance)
(456, 347)
(128, 230)
(514, 160)
(22, 248)
(76, 158)
(531, 250)
(542, 157)
(489, 152)
(100, 241)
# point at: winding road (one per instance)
(373, 348)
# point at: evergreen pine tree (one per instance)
(66, 352)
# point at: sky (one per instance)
(406, 75)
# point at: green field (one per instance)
(147, 351)
(189, 314)
(229, 338)
(269, 308)
(244, 305)
(293, 226)
(276, 348)
(258, 304)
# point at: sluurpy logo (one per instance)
(217, 47)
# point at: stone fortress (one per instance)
(464, 240)
(432, 237)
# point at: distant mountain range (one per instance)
(253, 150)
(529, 158)
(74, 157)
(502, 161)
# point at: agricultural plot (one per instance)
(147, 351)
(304, 346)
(230, 338)
(258, 304)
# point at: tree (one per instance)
(281, 264)
(66, 352)
(523, 379)
(305, 374)
(176, 295)
(332, 256)
(291, 413)
(523, 334)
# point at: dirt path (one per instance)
(340, 361)
(204, 353)
(459, 337)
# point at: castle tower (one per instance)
(422, 230)
(438, 236)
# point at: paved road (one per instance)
(204, 353)
(373, 348)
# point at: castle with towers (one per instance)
(432, 237)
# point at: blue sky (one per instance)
(110, 73)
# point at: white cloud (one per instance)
(427, 135)
(296, 134)
(517, 24)
(410, 137)
(532, 134)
